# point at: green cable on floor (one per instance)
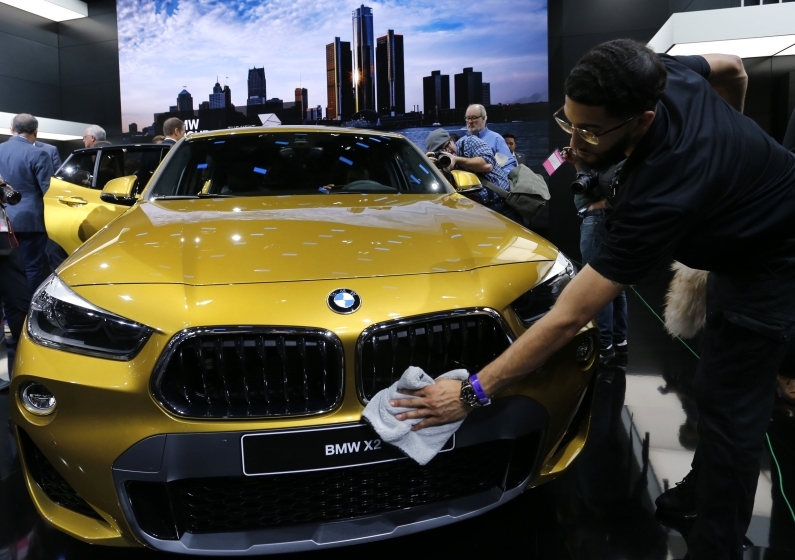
(769, 444)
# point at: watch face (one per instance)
(468, 395)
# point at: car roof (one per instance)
(291, 129)
(121, 147)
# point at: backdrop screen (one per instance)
(405, 65)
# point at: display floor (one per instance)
(642, 442)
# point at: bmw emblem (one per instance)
(344, 301)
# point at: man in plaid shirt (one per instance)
(472, 154)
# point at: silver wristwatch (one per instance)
(468, 395)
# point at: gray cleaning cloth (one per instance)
(422, 445)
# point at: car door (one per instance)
(73, 209)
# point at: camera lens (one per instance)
(583, 182)
(9, 195)
(443, 161)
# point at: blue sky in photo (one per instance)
(165, 45)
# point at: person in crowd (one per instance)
(15, 298)
(94, 137)
(470, 153)
(28, 169)
(593, 208)
(52, 151)
(174, 131)
(158, 139)
(476, 126)
(706, 186)
(510, 140)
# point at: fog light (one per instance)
(584, 351)
(37, 399)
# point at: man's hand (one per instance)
(453, 160)
(437, 404)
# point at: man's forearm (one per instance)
(582, 300)
(475, 164)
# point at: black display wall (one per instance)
(67, 71)
(577, 25)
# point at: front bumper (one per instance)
(187, 493)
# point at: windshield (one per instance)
(285, 163)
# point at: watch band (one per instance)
(482, 396)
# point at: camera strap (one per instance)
(8, 240)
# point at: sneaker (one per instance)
(606, 354)
(622, 348)
(679, 501)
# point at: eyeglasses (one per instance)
(587, 135)
(470, 119)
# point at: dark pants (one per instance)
(748, 324)
(612, 320)
(15, 298)
(33, 252)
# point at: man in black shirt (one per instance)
(704, 185)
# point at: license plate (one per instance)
(317, 449)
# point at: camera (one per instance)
(443, 159)
(591, 183)
(8, 195)
(585, 182)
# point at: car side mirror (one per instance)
(464, 180)
(120, 191)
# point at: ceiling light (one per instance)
(744, 48)
(47, 135)
(748, 32)
(56, 10)
(49, 129)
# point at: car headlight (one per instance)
(59, 318)
(534, 304)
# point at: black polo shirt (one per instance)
(705, 186)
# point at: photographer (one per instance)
(591, 193)
(28, 169)
(472, 154)
(14, 293)
(706, 186)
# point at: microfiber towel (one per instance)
(422, 445)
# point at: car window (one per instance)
(139, 163)
(78, 169)
(127, 162)
(282, 163)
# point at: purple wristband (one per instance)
(478, 388)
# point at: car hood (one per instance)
(299, 238)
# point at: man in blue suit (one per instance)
(28, 169)
(52, 151)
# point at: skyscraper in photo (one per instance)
(486, 94)
(184, 101)
(363, 58)
(339, 81)
(301, 102)
(468, 88)
(435, 94)
(256, 86)
(390, 82)
(217, 97)
(227, 96)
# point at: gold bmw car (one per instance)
(192, 378)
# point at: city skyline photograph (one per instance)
(192, 43)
